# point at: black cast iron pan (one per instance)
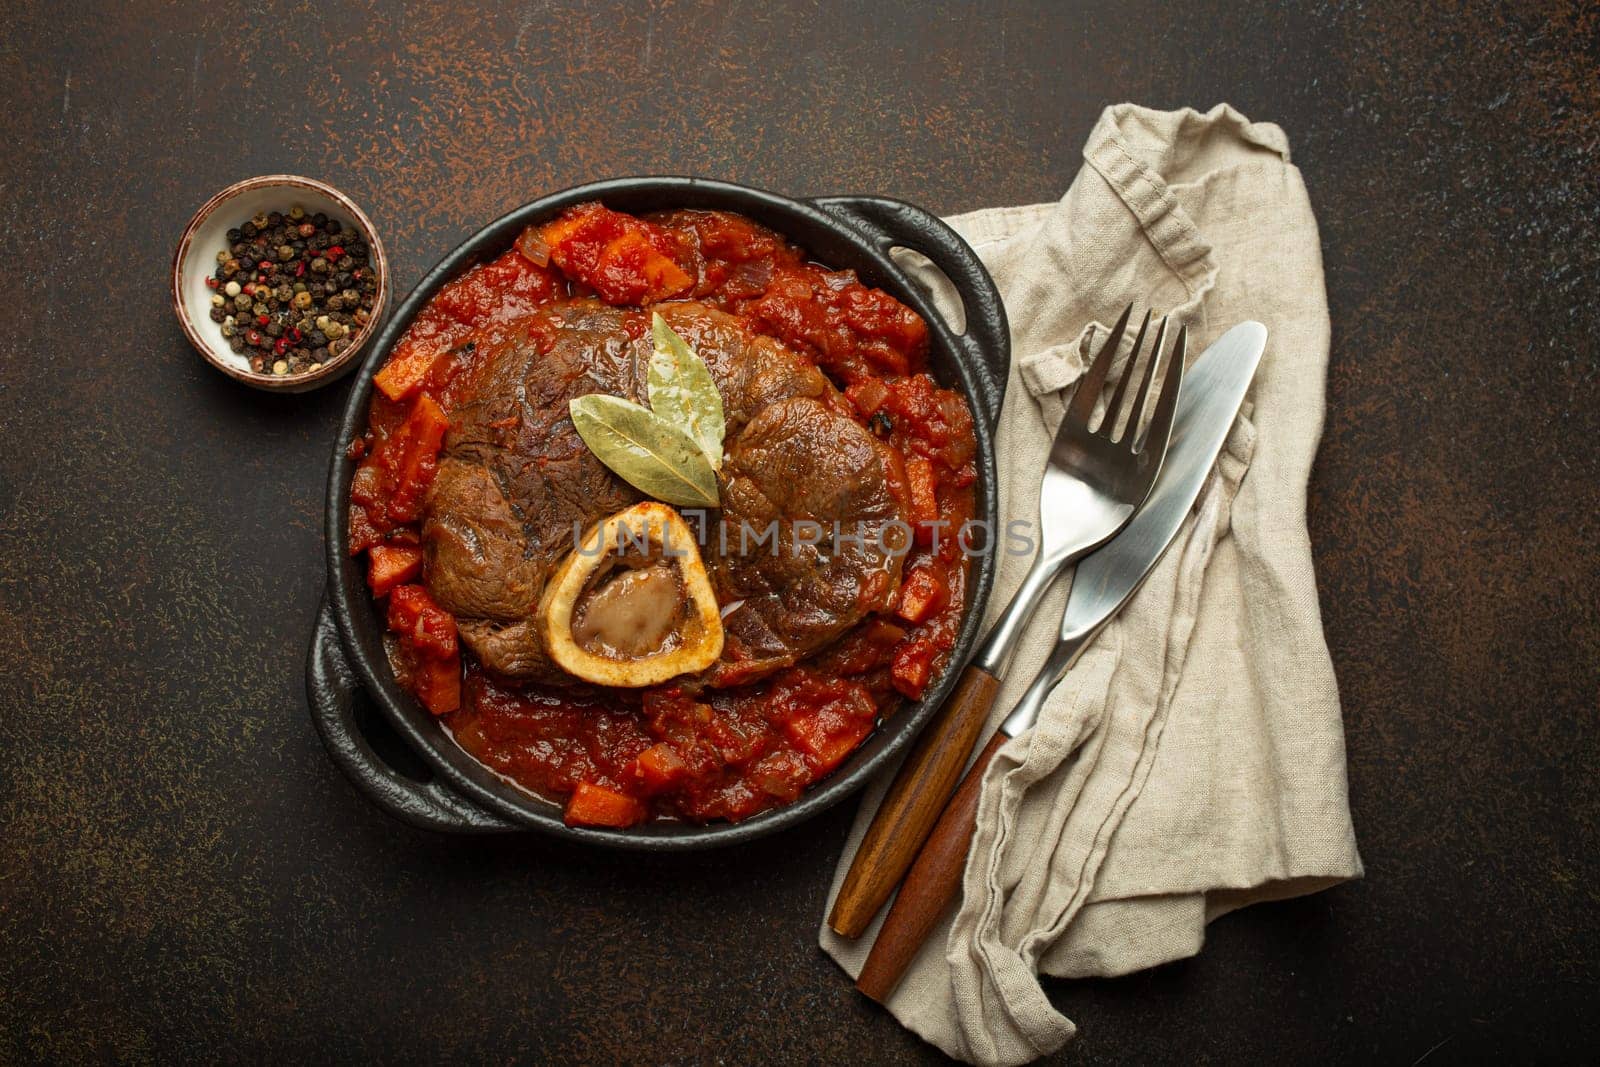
(401, 758)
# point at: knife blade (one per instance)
(1107, 578)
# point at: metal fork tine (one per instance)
(1131, 434)
(1090, 384)
(1108, 425)
(1161, 422)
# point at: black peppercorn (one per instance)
(301, 287)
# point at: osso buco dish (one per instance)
(646, 656)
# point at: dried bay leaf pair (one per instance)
(670, 451)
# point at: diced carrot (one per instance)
(660, 767)
(438, 683)
(391, 565)
(923, 592)
(418, 440)
(595, 805)
(924, 502)
(912, 667)
(404, 372)
(665, 277)
(409, 367)
(435, 634)
(428, 640)
(827, 737)
(830, 718)
(629, 268)
(622, 258)
(563, 229)
(420, 623)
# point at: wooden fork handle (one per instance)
(913, 803)
(934, 880)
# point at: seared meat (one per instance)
(515, 479)
(814, 535)
(516, 485)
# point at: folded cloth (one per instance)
(1193, 761)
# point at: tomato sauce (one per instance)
(620, 757)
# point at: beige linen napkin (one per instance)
(1193, 761)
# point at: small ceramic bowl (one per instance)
(206, 234)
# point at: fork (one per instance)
(1095, 480)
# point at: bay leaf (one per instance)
(650, 453)
(682, 391)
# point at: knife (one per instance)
(1105, 580)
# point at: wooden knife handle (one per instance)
(933, 882)
(913, 803)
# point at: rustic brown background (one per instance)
(185, 874)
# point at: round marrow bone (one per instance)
(632, 605)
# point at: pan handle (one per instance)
(333, 690)
(987, 340)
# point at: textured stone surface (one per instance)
(185, 873)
